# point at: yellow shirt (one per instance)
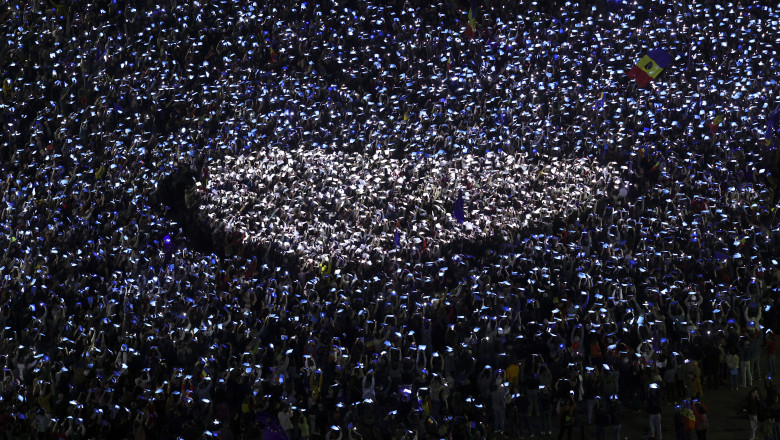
(512, 373)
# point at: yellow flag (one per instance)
(58, 6)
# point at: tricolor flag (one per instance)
(715, 123)
(273, 55)
(471, 26)
(649, 67)
(655, 159)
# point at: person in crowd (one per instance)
(566, 414)
(732, 364)
(770, 343)
(702, 420)
(754, 404)
(601, 419)
(246, 219)
(654, 411)
(745, 365)
(614, 416)
(545, 411)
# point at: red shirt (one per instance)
(771, 345)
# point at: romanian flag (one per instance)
(649, 67)
(655, 159)
(715, 123)
(471, 26)
(273, 55)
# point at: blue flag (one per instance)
(273, 429)
(458, 212)
(397, 238)
(600, 103)
(720, 256)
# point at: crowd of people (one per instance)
(393, 219)
(342, 207)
